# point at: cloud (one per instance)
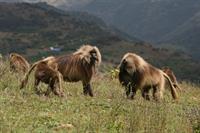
(51, 2)
(66, 3)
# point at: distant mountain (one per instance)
(37, 30)
(186, 36)
(174, 22)
(146, 19)
(39, 25)
(166, 22)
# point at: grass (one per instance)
(109, 111)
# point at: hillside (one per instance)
(147, 19)
(174, 22)
(109, 111)
(24, 26)
(167, 23)
(186, 36)
(31, 29)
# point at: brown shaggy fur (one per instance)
(135, 73)
(50, 76)
(18, 63)
(79, 66)
(47, 73)
(172, 76)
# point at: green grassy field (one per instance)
(108, 112)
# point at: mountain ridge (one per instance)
(160, 22)
(32, 29)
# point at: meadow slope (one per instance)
(109, 111)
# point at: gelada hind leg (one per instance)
(145, 93)
(36, 84)
(55, 89)
(87, 89)
(157, 93)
